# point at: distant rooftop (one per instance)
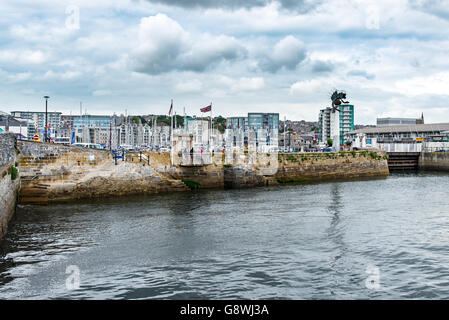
(429, 127)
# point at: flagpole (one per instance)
(185, 121)
(171, 133)
(210, 132)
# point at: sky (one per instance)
(284, 56)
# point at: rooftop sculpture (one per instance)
(337, 98)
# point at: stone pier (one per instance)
(9, 180)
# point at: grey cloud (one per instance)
(165, 46)
(286, 54)
(302, 6)
(320, 66)
(437, 8)
(361, 73)
(210, 53)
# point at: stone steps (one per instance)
(33, 200)
(34, 194)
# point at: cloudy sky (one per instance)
(283, 56)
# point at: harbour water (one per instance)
(308, 241)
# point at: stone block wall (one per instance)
(48, 161)
(207, 177)
(242, 177)
(303, 167)
(8, 187)
(7, 148)
(437, 161)
(53, 172)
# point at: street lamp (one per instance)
(46, 118)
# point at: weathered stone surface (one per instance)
(8, 187)
(52, 173)
(438, 161)
(324, 166)
(243, 177)
(7, 148)
(8, 196)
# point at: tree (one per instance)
(135, 119)
(330, 142)
(220, 123)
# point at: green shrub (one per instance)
(14, 172)
(375, 156)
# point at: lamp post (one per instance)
(46, 118)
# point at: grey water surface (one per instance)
(381, 238)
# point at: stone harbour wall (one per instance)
(9, 180)
(53, 172)
(7, 148)
(302, 167)
(243, 177)
(273, 169)
(437, 161)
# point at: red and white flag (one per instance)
(206, 109)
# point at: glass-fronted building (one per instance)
(259, 129)
(254, 121)
(267, 121)
(96, 121)
(236, 123)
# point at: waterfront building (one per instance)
(346, 120)
(259, 131)
(384, 122)
(268, 121)
(324, 119)
(16, 126)
(335, 124)
(236, 122)
(389, 136)
(89, 120)
(38, 121)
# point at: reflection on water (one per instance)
(292, 242)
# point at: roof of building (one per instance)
(52, 112)
(428, 127)
(393, 118)
(12, 122)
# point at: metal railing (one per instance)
(400, 147)
(435, 149)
